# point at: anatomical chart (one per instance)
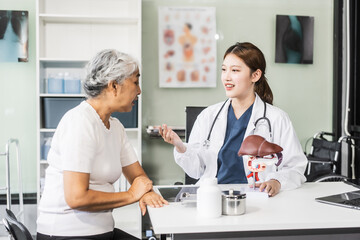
(187, 47)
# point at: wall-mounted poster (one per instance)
(294, 39)
(14, 32)
(187, 47)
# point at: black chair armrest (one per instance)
(312, 159)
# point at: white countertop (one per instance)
(295, 209)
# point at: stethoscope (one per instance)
(207, 141)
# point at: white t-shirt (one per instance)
(82, 143)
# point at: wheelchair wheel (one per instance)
(318, 174)
(331, 178)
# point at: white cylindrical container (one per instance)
(209, 199)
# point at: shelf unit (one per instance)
(69, 33)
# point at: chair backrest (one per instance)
(324, 157)
(15, 228)
(322, 148)
(191, 115)
(7, 227)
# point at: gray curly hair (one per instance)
(107, 65)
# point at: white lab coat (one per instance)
(201, 162)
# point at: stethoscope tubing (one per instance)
(207, 141)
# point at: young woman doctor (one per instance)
(220, 129)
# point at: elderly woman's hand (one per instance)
(140, 186)
(151, 199)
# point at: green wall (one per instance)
(18, 105)
(303, 91)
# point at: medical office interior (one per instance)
(321, 95)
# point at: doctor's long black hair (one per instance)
(254, 59)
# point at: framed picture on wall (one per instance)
(187, 47)
(294, 39)
(14, 36)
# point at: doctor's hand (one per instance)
(151, 199)
(171, 137)
(272, 187)
(139, 187)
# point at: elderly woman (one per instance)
(89, 152)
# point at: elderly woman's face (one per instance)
(129, 91)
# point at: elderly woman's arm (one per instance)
(132, 171)
(79, 196)
(152, 199)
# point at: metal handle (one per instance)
(7, 164)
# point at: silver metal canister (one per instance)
(233, 202)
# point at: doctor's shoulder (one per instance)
(210, 112)
(277, 115)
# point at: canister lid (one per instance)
(233, 194)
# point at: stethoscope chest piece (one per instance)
(206, 144)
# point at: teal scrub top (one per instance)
(230, 165)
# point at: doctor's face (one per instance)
(237, 78)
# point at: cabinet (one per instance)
(69, 33)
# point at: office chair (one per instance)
(191, 115)
(16, 229)
(324, 158)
